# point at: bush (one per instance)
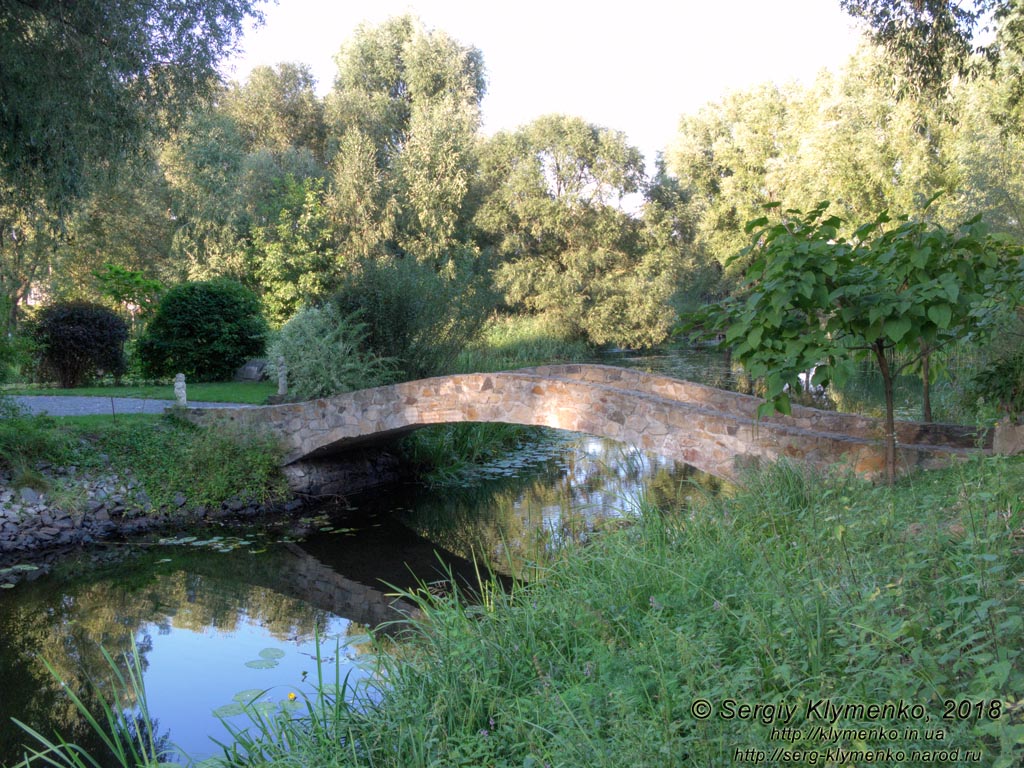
(18, 354)
(324, 354)
(1001, 383)
(420, 318)
(78, 339)
(205, 330)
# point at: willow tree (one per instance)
(85, 85)
(553, 215)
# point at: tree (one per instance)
(86, 83)
(552, 213)
(404, 113)
(296, 260)
(130, 290)
(732, 157)
(277, 109)
(385, 71)
(814, 299)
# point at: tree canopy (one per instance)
(933, 39)
(85, 82)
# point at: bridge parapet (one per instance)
(745, 406)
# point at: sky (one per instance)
(634, 66)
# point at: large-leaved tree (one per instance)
(813, 299)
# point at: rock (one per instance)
(234, 504)
(254, 370)
(179, 499)
(30, 496)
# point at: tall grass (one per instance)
(507, 342)
(793, 590)
(124, 725)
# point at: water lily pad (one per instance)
(6, 586)
(261, 664)
(24, 567)
(229, 710)
(248, 696)
(271, 653)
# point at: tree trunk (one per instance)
(890, 420)
(926, 384)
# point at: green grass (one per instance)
(793, 590)
(249, 392)
(166, 457)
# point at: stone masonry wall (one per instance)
(711, 429)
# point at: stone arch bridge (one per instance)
(711, 429)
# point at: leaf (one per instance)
(261, 664)
(271, 653)
(782, 404)
(754, 224)
(248, 696)
(898, 327)
(229, 710)
(940, 314)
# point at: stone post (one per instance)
(282, 377)
(179, 390)
(1009, 438)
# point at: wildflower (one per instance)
(291, 696)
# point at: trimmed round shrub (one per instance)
(77, 340)
(324, 353)
(205, 330)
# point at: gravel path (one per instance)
(57, 405)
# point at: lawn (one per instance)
(253, 393)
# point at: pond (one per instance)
(230, 616)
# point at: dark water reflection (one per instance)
(218, 617)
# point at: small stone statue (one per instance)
(179, 390)
(282, 377)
